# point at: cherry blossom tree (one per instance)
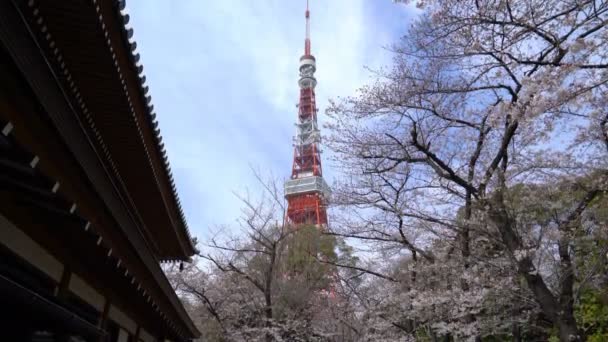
(264, 281)
(484, 98)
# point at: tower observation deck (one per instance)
(307, 192)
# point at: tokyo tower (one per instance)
(306, 191)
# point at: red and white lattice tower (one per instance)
(307, 192)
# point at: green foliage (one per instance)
(306, 249)
(591, 310)
(303, 273)
(497, 338)
(423, 335)
(302, 248)
(592, 315)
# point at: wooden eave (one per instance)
(43, 191)
(79, 125)
(89, 45)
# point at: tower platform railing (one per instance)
(313, 184)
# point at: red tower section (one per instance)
(307, 192)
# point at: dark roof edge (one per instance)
(130, 46)
(134, 57)
(62, 115)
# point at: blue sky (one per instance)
(223, 79)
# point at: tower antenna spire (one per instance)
(307, 41)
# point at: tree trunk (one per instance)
(268, 313)
(268, 292)
(568, 331)
(516, 332)
(561, 315)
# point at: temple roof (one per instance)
(96, 57)
(93, 105)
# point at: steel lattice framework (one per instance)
(307, 192)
